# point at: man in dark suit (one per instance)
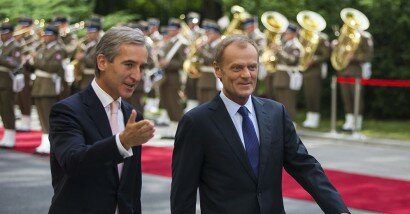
(96, 136)
(236, 157)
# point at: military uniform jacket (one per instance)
(259, 39)
(288, 57)
(10, 59)
(89, 55)
(156, 36)
(321, 56)
(363, 53)
(172, 69)
(69, 41)
(48, 60)
(206, 56)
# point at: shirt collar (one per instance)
(105, 98)
(233, 107)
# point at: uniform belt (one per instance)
(283, 67)
(207, 69)
(41, 73)
(4, 69)
(89, 71)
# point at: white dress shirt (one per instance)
(233, 108)
(106, 100)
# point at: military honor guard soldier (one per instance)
(287, 79)
(191, 84)
(47, 86)
(312, 82)
(358, 67)
(85, 56)
(207, 86)
(10, 59)
(28, 38)
(171, 62)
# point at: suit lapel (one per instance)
(265, 127)
(224, 123)
(97, 112)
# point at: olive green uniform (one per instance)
(207, 87)
(312, 76)
(169, 97)
(192, 83)
(24, 99)
(10, 59)
(88, 62)
(48, 65)
(288, 59)
(363, 54)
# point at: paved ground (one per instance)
(25, 181)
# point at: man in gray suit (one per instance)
(234, 147)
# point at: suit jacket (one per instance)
(208, 154)
(84, 159)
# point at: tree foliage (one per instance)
(76, 10)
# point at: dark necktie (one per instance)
(250, 139)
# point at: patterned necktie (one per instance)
(250, 139)
(114, 106)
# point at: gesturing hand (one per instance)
(136, 133)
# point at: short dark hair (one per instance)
(238, 39)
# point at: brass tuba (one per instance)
(192, 63)
(312, 23)
(275, 24)
(349, 39)
(239, 15)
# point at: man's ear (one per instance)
(102, 62)
(217, 70)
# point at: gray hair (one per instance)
(241, 40)
(109, 44)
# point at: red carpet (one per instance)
(359, 191)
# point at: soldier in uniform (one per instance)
(250, 26)
(29, 42)
(171, 62)
(10, 59)
(136, 99)
(190, 91)
(48, 83)
(207, 82)
(312, 81)
(152, 100)
(85, 56)
(153, 29)
(251, 29)
(287, 79)
(69, 42)
(358, 67)
(68, 39)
